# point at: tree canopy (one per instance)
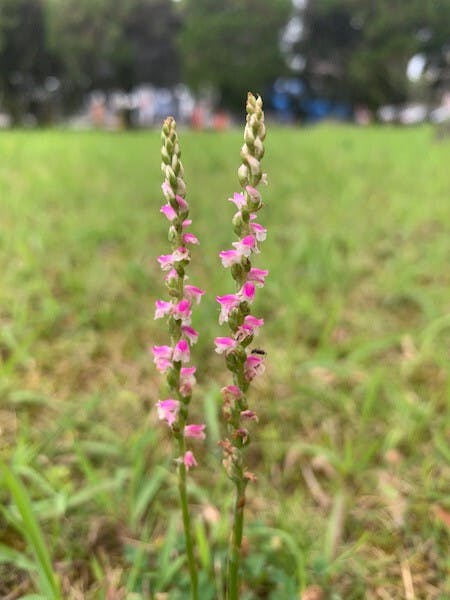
(233, 45)
(358, 50)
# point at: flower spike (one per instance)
(171, 360)
(243, 363)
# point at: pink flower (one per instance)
(193, 293)
(190, 333)
(247, 292)
(189, 460)
(224, 345)
(259, 231)
(230, 257)
(253, 366)
(167, 191)
(258, 276)
(246, 245)
(166, 261)
(180, 254)
(253, 193)
(187, 380)
(163, 364)
(253, 322)
(249, 414)
(171, 276)
(195, 431)
(162, 308)
(168, 212)
(231, 393)
(182, 203)
(241, 434)
(168, 410)
(182, 311)
(243, 332)
(239, 200)
(227, 303)
(181, 352)
(189, 238)
(162, 356)
(186, 223)
(249, 327)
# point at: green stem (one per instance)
(234, 552)
(187, 522)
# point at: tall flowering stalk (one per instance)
(244, 364)
(178, 310)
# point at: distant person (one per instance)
(97, 110)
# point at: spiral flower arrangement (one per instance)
(178, 311)
(244, 363)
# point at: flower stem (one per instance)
(187, 522)
(234, 552)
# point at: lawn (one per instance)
(352, 449)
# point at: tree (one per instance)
(358, 50)
(150, 30)
(233, 45)
(105, 45)
(87, 35)
(26, 64)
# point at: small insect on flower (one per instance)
(259, 351)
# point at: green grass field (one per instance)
(352, 450)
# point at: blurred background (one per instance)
(351, 450)
(130, 62)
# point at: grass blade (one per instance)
(33, 534)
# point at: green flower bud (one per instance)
(237, 223)
(235, 319)
(170, 176)
(173, 378)
(172, 234)
(169, 145)
(237, 272)
(174, 327)
(240, 354)
(244, 307)
(254, 203)
(247, 341)
(232, 362)
(246, 264)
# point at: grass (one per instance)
(351, 452)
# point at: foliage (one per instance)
(232, 45)
(24, 66)
(358, 50)
(27, 525)
(351, 452)
(106, 44)
(82, 45)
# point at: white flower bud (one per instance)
(181, 187)
(243, 175)
(249, 136)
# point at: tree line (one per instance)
(52, 52)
